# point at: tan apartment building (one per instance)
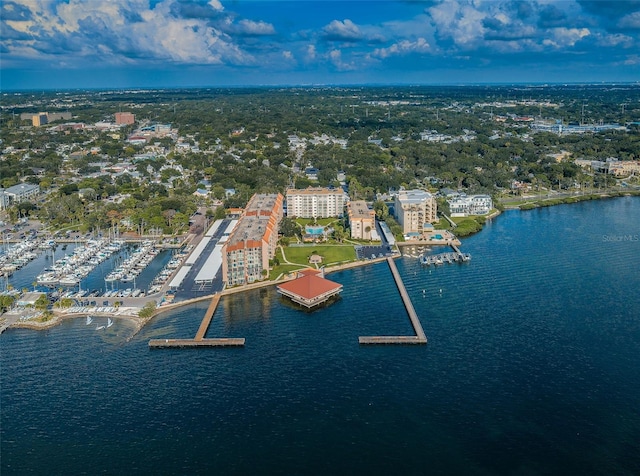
(252, 243)
(315, 202)
(362, 220)
(414, 208)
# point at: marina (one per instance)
(456, 256)
(70, 270)
(18, 255)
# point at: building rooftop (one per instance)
(413, 196)
(258, 219)
(359, 209)
(315, 191)
(21, 187)
(310, 289)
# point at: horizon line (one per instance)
(334, 85)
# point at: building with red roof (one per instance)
(310, 289)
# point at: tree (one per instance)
(220, 213)
(289, 227)
(6, 301)
(42, 302)
(381, 209)
(147, 310)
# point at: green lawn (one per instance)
(282, 268)
(331, 254)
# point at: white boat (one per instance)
(99, 328)
(109, 322)
(89, 320)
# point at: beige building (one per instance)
(623, 168)
(315, 202)
(362, 220)
(415, 208)
(252, 243)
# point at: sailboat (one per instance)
(109, 322)
(89, 320)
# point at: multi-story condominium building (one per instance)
(315, 202)
(18, 193)
(414, 208)
(362, 220)
(125, 118)
(462, 206)
(252, 243)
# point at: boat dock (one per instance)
(420, 337)
(456, 257)
(199, 340)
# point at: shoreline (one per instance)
(58, 318)
(141, 322)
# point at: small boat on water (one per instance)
(99, 328)
(89, 320)
(109, 322)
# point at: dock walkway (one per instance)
(199, 340)
(420, 337)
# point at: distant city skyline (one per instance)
(173, 43)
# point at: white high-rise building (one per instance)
(414, 208)
(315, 202)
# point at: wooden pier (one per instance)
(420, 337)
(206, 321)
(219, 342)
(199, 340)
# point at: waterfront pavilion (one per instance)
(310, 289)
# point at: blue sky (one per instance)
(188, 43)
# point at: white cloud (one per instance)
(216, 5)
(632, 60)
(563, 37)
(616, 39)
(335, 56)
(403, 47)
(342, 30)
(461, 23)
(311, 52)
(631, 21)
(258, 28)
(124, 30)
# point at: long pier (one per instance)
(218, 342)
(206, 321)
(420, 337)
(199, 340)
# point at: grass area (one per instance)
(330, 253)
(443, 224)
(282, 269)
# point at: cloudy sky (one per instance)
(159, 43)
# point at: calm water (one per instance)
(532, 367)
